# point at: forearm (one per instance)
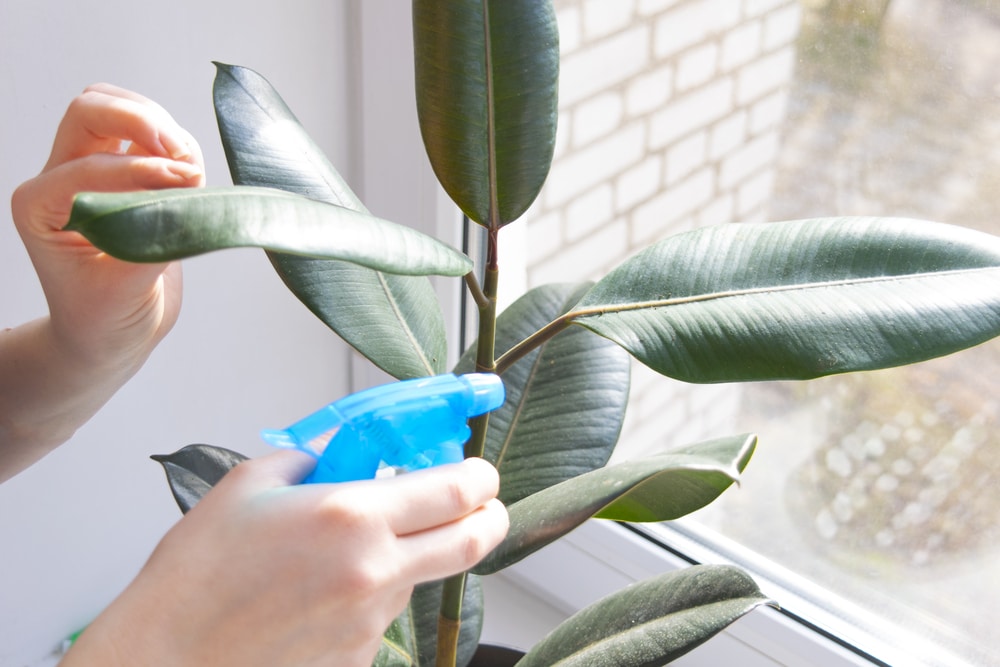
(46, 393)
(131, 631)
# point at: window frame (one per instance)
(601, 557)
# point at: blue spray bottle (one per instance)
(410, 424)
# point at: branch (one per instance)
(535, 340)
(482, 301)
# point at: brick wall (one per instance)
(670, 114)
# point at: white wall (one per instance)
(75, 528)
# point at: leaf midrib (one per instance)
(411, 336)
(491, 141)
(602, 309)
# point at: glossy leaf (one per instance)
(565, 401)
(802, 299)
(166, 225)
(265, 143)
(393, 320)
(487, 84)
(652, 622)
(396, 649)
(659, 488)
(412, 637)
(422, 619)
(690, 478)
(193, 470)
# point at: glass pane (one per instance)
(681, 113)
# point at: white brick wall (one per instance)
(697, 66)
(605, 64)
(687, 113)
(601, 17)
(649, 90)
(670, 112)
(578, 171)
(741, 45)
(597, 117)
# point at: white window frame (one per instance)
(601, 557)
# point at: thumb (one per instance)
(253, 477)
(277, 469)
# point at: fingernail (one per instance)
(175, 147)
(185, 170)
(181, 151)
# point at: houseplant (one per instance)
(740, 302)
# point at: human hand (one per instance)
(105, 315)
(264, 573)
(111, 140)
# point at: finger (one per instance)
(125, 93)
(50, 195)
(286, 467)
(101, 117)
(177, 142)
(435, 496)
(195, 156)
(125, 173)
(456, 547)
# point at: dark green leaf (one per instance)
(659, 488)
(395, 321)
(565, 401)
(486, 79)
(688, 479)
(420, 621)
(802, 299)
(166, 225)
(650, 623)
(193, 470)
(265, 143)
(396, 649)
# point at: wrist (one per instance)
(96, 357)
(117, 639)
(47, 392)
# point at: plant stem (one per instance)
(475, 290)
(488, 323)
(450, 616)
(485, 350)
(450, 621)
(511, 356)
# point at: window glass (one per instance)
(879, 487)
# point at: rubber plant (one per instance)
(738, 302)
